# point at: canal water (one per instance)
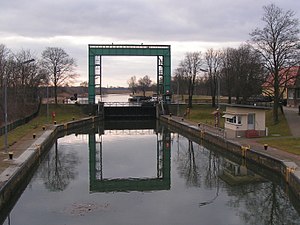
(140, 172)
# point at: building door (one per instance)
(251, 121)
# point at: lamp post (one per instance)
(5, 115)
(177, 97)
(5, 107)
(47, 103)
(218, 90)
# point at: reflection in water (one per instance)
(160, 182)
(257, 200)
(188, 167)
(58, 168)
(265, 203)
(131, 164)
(197, 171)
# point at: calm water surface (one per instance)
(146, 176)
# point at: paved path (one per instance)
(293, 119)
(18, 148)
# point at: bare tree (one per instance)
(27, 77)
(278, 44)
(3, 63)
(191, 66)
(251, 72)
(242, 72)
(59, 66)
(132, 84)
(213, 60)
(3, 72)
(227, 73)
(180, 84)
(21, 81)
(144, 84)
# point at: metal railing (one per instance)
(121, 104)
(213, 130)
(19, 122)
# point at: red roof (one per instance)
(287, 76)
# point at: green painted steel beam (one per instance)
(129, 50)
(167, 73)
(91, 88)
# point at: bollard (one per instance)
(44, 128)
(54, 122)
(170, 114)
(33, 135)
(10, 155)
(73, 118)
(266, 146)
(199, 124)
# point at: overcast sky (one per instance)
(191, 25)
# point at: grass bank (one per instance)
(279, 134)
(204, 114)
(63, 113)
(288, 144)
(199, 113)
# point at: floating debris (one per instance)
(81, 209)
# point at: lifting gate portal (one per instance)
(162, 52)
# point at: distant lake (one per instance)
(113, 98)
(106, 98)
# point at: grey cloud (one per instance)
(222, 20)
(37, 24)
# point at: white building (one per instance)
(245, 121)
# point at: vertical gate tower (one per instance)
(162, 52)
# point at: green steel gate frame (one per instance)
(162, 52)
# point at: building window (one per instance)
(235, 120)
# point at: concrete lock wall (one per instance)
(15, 178)
(285, 169)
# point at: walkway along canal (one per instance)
(15, 178)
(288, 169)
(159, 184)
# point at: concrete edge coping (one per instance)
(265, 154)
(32, 148)
(293, 168)
(297, 173)
(8, 173)
(183, 123)
(41, 139)
(195, 127)
(18, 162)
(289, 165)
(25, 155)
